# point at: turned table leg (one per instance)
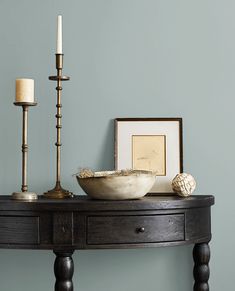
(201, 271)
(63, 269)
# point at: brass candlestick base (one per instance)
(29, 196)
(24, 195)
(58, 192)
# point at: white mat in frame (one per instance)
(129, 131)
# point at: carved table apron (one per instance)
(81, 223)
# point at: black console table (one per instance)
(81, 223)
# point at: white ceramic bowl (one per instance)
(112, 185)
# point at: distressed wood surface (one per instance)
(134, 229)
(81, 223)
(84, 203)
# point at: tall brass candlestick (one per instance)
(24, 195)
(58, 192)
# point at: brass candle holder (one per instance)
(24, 195)
(58, 192)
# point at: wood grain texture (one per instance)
(19, 230)
(198, 223)
(134, 229)
(63, 228)
(84, 203)
(81, 223)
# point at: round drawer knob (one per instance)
(140, 229)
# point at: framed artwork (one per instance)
(154, 144)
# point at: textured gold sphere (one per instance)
(183, 184)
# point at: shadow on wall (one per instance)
(105, 160)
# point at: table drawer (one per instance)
(19, 230)
(134, 229)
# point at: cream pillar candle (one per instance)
(59, 35)
(24, 90)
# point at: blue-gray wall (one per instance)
(126, 58)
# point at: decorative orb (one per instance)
(183, 184)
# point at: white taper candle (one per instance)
(59, 35)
